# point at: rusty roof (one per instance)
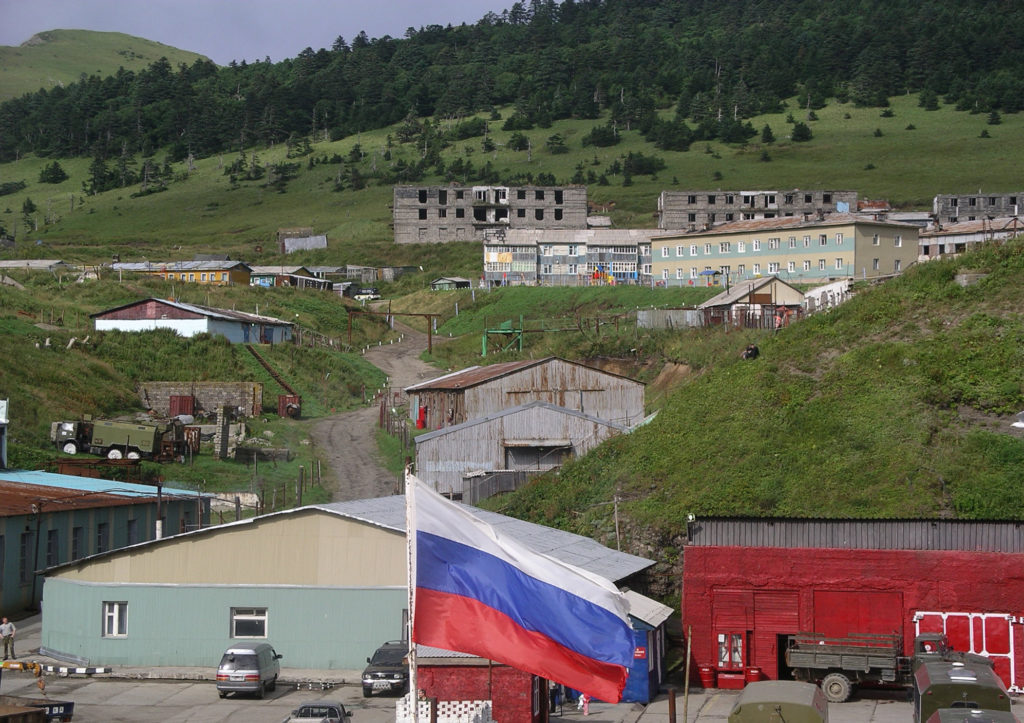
(23, 499)
(1010, 225)
(784, 222)
(476, 375)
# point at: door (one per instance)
(989, 634)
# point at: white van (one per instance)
(248, 669)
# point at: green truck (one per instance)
(160, 441)
(780, 701)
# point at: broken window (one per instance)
(423, 195)
(558, 196)
(442, 196)
(423, 214)
(558, 214)
(538, 214)
(538, 195)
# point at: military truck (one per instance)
(839, 664)
(780, 701)
(160, 441)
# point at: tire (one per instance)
(114, 453)
(222, 693)
(273, 684)
(133, 454)
(261, 691)
(70, 448)
(367, 692)
(836, 688)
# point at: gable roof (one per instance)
(207, 311)
(516, 410)
(388, 513)
(784, 222)
(156, 266)
(744, 288)
(21, 489)
(475, 375)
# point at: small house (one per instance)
(450, 283)
(214, 272)
(191, 319)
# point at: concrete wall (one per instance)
(510, 690)
(694, 210)
(209, 395)
(190, 625)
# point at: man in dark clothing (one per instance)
(751, 352)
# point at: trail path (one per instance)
(347, 441)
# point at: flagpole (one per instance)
(410, 552)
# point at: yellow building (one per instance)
(217, 273)
(794, 248)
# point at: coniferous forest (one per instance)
(713, 62)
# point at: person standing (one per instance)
(7, 631)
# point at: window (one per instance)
(741, 269)
(546, 249)
(664, 252)
(791, 266)
(133, 531)
(224, 276)
(52, 547)
(573, 249)
(773, 267)
(954, 202)
(459, 195)
(480, 195)
(839, 239)
(741, 247)
(647, 269)
(755, 244)
(729, 198)
(757, 269)
(807, 241)
(423, 214)
(725, 247)
(679, 273)
(538, 195)
(711, 200)
(897, 265)
(774, 243)
(874, 240)
(789, 199)
(792, 242)
(538, 213)
(25, 565)
(972, 202)
(115, 619)
(422, 195)
(460, 213)
(442, 213)
(693, 272)
(874, 264)
(78, 543)
(769, 200)
(679, 250)
(730, 216)
(707, 248)
(574, 268)
(897, 241)
(102, 537)
(839, 264)
(807, 198)
(191, 277)
(691, 199)
(693, 249)
(823, 239)
(545, 268)
(664, 274)
(558, 214)
(248, 622)
(691, 218)
(807, 265)
(202, 276)
(520, 213)
(821, 264)
(826, 198)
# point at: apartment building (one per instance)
(798, 249)
(439, 214)
(953, 208)
(585, 257)
(695, 210)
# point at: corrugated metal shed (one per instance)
(207, 311)
(967, 535)
(591, 555)
(473, 375)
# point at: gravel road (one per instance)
(346, 441)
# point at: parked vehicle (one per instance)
(780, 701)
(388, 670)
(53, 710)
(120, 440)
(941, 684)
(321, 711)
(840, 664)
(971, 715)
(367, 293)
(248, 669)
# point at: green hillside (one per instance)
(59, 57)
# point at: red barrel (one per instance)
(708, 676)
(752, 674)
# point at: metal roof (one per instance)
(584, 552)
(151, 266)
(1011, 225)
(786, 222)
(589, 236)
(643, 608)
(37, 264)
(21, 489)
(208, 311)
(258, 270)
(737, 291)
(865, 534)
(514, 410)
(475, 375)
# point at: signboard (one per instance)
(3, 411)
(639, 653)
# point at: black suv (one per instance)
(388, 669)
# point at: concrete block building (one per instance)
(440, 214)
(693, 210)
(957, 207)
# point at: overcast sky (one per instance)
(226, 30)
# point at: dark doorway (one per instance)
(782, 642)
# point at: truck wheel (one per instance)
(70, 448)
(836, 688)
(114, 453)
(133, 454)
(367, 692)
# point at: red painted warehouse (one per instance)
(748, 584)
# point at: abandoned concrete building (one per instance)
(694, 210)
(951, 207)
(439, 214)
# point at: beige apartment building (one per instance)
(793, 248)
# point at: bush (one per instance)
(801, 132)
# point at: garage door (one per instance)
(988, 634)
(542, 458)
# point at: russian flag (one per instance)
(481, 593)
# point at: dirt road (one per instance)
(346, 441)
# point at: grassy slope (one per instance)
(204, 212)
(896, 404)
(60, 57)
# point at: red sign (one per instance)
(639, 653)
